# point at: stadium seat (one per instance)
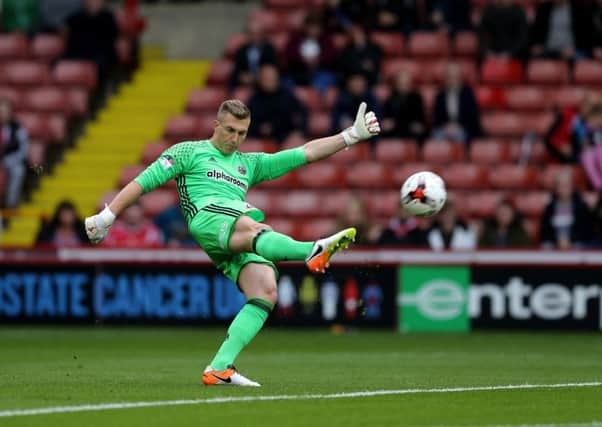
(426, 43)
(153, 150)
(25, 73)
(483, 204)
(382, 203)
(331, 202)
(392, 44)
(252, 145)
(396, 151)
(503, 124)
(566, 97)
(317, 228)
(513, 177)
(301, 203)
(588, 72)
(526, 98)
(489, 151)
(78, 100)
(13, 46)
(466, 44)
(47, 99)
(319, 124)
(75, 73)
(282, 225)
(182, 127)
(532, 203)
(539, 122)
(368, 174)
(359, 152)
(403, 172)
(490, 97)
(207, 99)
(330, 97)
(220, 72)
(157, 201)
(286, 181)
(310, 97)
(261, 199)
(550, 172)
(533, 153)
(391, 67)
(36, 154)
(129, 173)
(547, 71)
(234, 43)
(442, 152)
(14, 95)
(47, 128)
(242, 93)
(321, 175)
(465, 176)
(438, 69)
(269, 20)
(501, 71)
(2, 182)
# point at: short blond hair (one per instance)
(235, 107)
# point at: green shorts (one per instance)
(212, 227)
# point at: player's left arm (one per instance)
(365, 126)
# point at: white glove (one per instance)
(97, 226)
(365, 126)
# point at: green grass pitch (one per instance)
(48, 367)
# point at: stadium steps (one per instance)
(116, 139)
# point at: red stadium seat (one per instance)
(310, 97)
(504, 124)
(321, 175)
(44, 127)
(426, 43)
(129, 173)
(36, 154)
(220, 72)
(403, 172)
(539, 122)
(331, 202)
(359, 152)
(391, 67)
(47, 99)
(252, 145)
(2, 181)
(489, 152)
(261, 199)
(284, 225)
(396, 151)
(234, 43)
(153, 150)
(182, 127)
(14, 95)
(75, 73)
(157, 201)
(465, 176)
(532, 203)
(207, 99)
(483, 204)
(26, 73)
(300, 203)
(513, 177)
(242, 93)
(369, 175)
(383, 203)
(319, 124)
(547, 71)
(317, 228)
(13, 46)
(527, 98)
(466, 44)
(330, 97)
(588, 72)
(391, 43)
(501, 71)
(57, 125)
(548, 176)
(490, 97)
(565, 97)
(535, 153)
(442, 152)
(78, 100)
(286, 181)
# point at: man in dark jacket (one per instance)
(13, 152)
(276, 111)
(361, 56)
(503, 30)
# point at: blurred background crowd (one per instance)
(502, 98)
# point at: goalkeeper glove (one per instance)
(365, 126)
(97, 226)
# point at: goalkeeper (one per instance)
(212, 178)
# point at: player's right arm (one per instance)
(170, 163)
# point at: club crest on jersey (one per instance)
(242, 170)
(166, 162)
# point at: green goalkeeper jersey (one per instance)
(205, 175)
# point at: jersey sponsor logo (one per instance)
(166, 161)
(214, 174)
(242, 170)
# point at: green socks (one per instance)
(242, 330)
(279, 247)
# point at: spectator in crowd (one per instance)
(404, 230)
(450, 232)
(173, 227)
(564, 138)
(589, 137)
(566, 222)
(340, 14)
(449, 15)
(596, 240)
(505, 229)
(132, 230)
(276, 110)
(503, 30)
(91, 35)
(403, 112)
(310, 55)
(456, 112)
(64, 229)
(344, 110)
(396, 15)
(355, 214)
(54, 13)
(20, 15)
(561, 29)
(360, 56)
(14, 146)
(251, 56)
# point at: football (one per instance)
(423, 194)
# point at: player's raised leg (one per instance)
(258, 282)
(252, 236)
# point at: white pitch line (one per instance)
(129, 405)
